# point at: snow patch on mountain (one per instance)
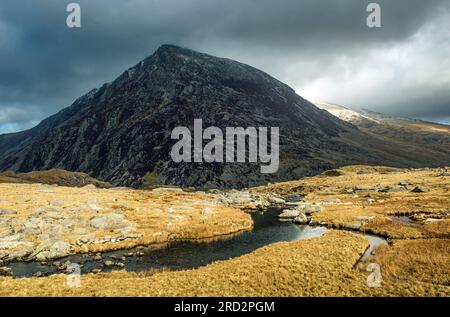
(344, 113)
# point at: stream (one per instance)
(189, 255)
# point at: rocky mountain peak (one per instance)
(121, 132)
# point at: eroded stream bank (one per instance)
(186, 255)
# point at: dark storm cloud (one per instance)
(316, 46)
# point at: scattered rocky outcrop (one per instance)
(289, 214)
(44, 222)
(299, 212)
(51, 249)
(111, 222)
(244, 199)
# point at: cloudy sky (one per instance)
(321, 48)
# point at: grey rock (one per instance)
(5, 271)
(289, 213)
(310, 209)
(19, 255)
(392, 189)
(7, 212)
(51, 249)
(293, 198)
(109, 222)
(363, 188)
(90, 186)
(276, 200)
(420, 189)
(301, 219)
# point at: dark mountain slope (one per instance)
(121, 132)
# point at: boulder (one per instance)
(310, 209)
(293, 198)
(12, 242)
(5, 271)
(420, 189)
(51, 249)
(276, 201)
(301, 219)
(109, 222)
(289, 213)
(363, 188)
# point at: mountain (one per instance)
(121, 132)
(429, 141)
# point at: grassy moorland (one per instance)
(316, 267)
(395, 203)
(90, 219)
(410, 207)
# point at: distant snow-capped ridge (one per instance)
(344, 113)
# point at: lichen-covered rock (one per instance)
(109, 222)
(301, 219)
(51, 249)
(289, 213)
